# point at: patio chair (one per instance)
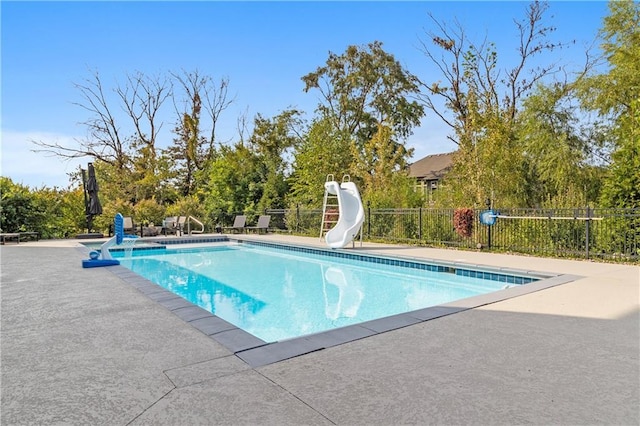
(262, 225)
(180, 225)
(169, 225)
(129, 226)
(238, 224)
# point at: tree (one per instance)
(622, 184)
(131, 158)
(480, 103)
(141, 98)
(193, 147)
(362, 89)
(323, 150)
(52, 212)
(17, 207)
(559, 147)
(615, 95)
(234, 182)
(383, 169)
(273, 141)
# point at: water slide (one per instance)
(351, 214)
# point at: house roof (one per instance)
(432, 166)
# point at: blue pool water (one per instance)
(276, 294)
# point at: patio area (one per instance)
(82, 346)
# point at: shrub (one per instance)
(463, 222)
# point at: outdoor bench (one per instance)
(28, 236)
(4, 237)
(19, 236)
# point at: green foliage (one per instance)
(53, 213)
(63, 212)
(190, 205)
(520, 142)
(18, 209)
(618, 234)
(622, 185)
(149, 211)
(273, 140)
(615, 95)
(109, 210)
(437, 226)
(557, 149)
(303, 221)
(323, 151)
(235, 182)
(614, 91)
(363, 87)
(380, 167)
(482, 108)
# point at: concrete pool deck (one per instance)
(82, 346)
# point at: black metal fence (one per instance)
(612, 234)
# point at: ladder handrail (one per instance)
(191, 218)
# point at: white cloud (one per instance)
(36, 169)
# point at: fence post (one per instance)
(488, 204)
(368, 219)
(297, 218)
(586, 243)
(420, 223)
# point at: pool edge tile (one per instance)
(211, 325)
(237, 340)
(279, 351)
(340, 336)
(393, 322)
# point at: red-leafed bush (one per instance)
(463, 222)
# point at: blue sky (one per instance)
(263, 48)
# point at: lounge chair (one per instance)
(180, 224)
(263, 224)
(173, 225)
(238, 224)
(169, 225)
(129, 227)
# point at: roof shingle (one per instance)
(432, 167)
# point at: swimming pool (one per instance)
(257, 351)
(277, 293)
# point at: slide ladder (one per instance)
(330, 209)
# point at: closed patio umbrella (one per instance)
(94, 208)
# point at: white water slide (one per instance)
(351, 213)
